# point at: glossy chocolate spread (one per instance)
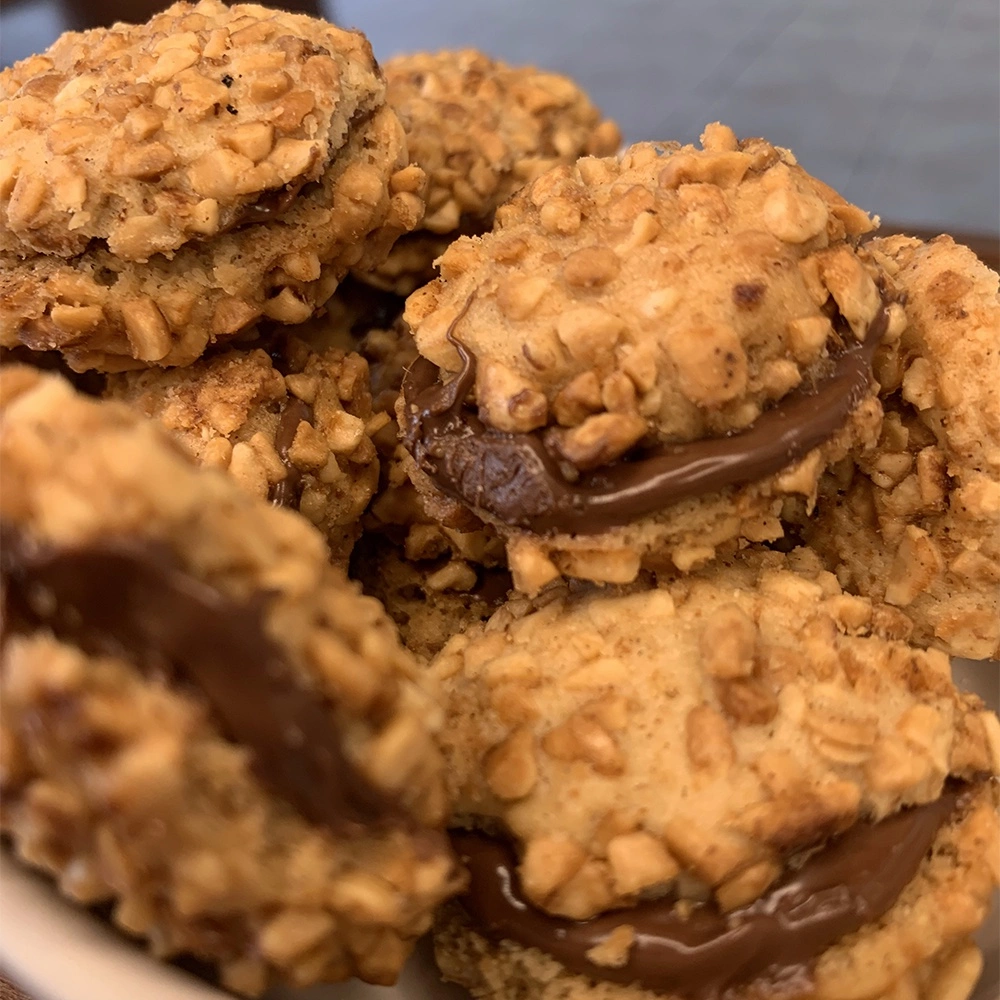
(848, 883)
(271, 205)
(517, 479)
(132, 599)
(288, 492)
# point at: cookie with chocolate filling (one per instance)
(398, 506)
(202, 170)
(646, 356)
(291, 425)
(433, 580)
(480, 129)
(204, 724)
(724, 787)
(916, 522)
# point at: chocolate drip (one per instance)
(847, 884)
(518, 480)
(132, 599)
(288, 492)
(271, 205)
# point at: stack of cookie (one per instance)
(167, 185)
(670, 490)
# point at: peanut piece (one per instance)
(727, 643)
(146, 329)
(709, 741)
(548, 863)
(639, 861)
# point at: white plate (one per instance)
(59, 953)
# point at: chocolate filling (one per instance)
(269, 206)
(132, 599)
(288, 492)
(517, 479)
(850, 882)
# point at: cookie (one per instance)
(662, 348)
(390, 352)
(293, 426)
(281, 822)
(480, 129)
(151, 136)
(676, 763)
(275, 252)
(919, 948)
(434, 581)
(916, 523)
(434, 584)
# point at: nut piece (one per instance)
(581, 737)
(639, 861)
(711, 364)
(591, 267)
(613, 951)
(600, 439)
(548, 863)
(588, 332)
(748, 885)
(709, 740)
(147, 330)
(712, 855)
(507, 400)
(794, 216)
(510, 767)
(727, 643)
(917, 565)
(749, 700)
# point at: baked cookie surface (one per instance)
(159, 134)
(916, 522)
(285, 828)
(480, 129)
(658, 773)
(639, 333)
(919, 948)
(103, 312)
(203, 170)
(291, 425)
(715, 725)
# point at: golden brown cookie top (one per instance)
(667, 295)
(151, 136)
(481, 128)
(693, 737)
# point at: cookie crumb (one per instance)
(613, 951)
